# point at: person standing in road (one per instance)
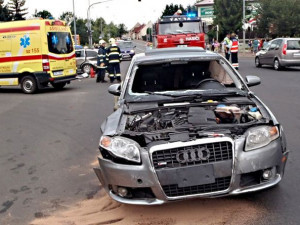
(234, 50)
(217, 46)
(113, 56)
(255, 46)
(226, 44)
(101, 62)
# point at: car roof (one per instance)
(176, 53)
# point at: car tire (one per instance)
(59, 86)
(86, 68)
(257, 62)
(29, 85)
(276, 65)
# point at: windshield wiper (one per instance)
(174, 96)
(225, 93)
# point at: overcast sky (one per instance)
(119, 11)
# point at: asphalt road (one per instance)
(49, 142)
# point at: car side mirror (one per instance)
(252, 80)
(115, 89)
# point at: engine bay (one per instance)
(188, 117)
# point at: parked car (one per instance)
(127, 49)
(86, 59)
(279, 53)
(187, 126)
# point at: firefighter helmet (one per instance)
(112, 41)
(101, 42)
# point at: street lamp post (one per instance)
(74, 18)
(89, 25)
(244, 30)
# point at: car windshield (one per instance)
(60, 42)
(182, 78)
(179, 28)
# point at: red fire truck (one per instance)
(179, 31)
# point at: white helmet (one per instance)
(179, 11)
(101, 42)
(112, 41)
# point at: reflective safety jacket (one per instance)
(113, 54)
(234, 45)
(101, 57)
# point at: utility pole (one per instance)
(244, 30)
(74, 18)
(217, 32)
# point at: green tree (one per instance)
(191, 8)
(121, 29)
(171, 9)
(43, 14)
(279, 18)
(4, 12)
(66, 16)
(82, 31)
(17, 9)
(98, 28)
(228, 15)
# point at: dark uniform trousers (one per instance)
(114, 56)
(100, 61)
(114, 71)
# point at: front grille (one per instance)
(173, 190)
(166, 158)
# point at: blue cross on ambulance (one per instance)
(36, 53)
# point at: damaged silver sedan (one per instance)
(188, 126)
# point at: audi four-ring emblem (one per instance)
(193, 155)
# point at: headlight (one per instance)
(131, 51)
(260, 136)
(122, 147)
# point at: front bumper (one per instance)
(113, 175)
(127, 55)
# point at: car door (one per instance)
(262, 53)
(270, 54)
(278, 48)
(80, 58)
(91, 56)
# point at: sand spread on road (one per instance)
(103, 210)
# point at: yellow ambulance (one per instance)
(36, 53)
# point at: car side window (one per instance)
(273, 45)
(278, 43)
(79, 53)
(91, 54)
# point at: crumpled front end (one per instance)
(208, 167)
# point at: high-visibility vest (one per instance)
(234, 46)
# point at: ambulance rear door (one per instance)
(6, 76)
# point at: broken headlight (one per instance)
(122, 147)
(258, 137)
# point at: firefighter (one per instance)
(113, 57)
(101, 62)
(226, 45)
(234, 51)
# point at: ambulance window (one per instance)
(60, 42)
